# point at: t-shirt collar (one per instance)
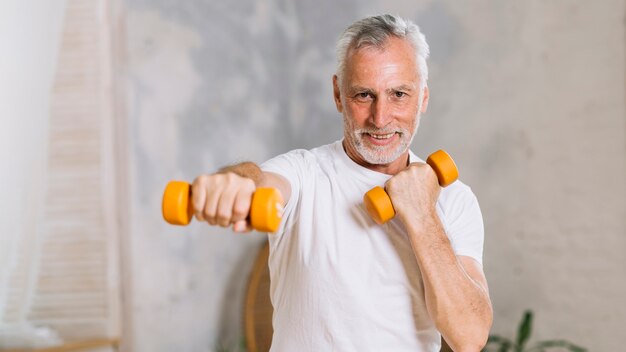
(366, 173)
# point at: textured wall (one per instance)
(528, 97)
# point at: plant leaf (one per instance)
(504, 347)
(524, 330)
(504, 344)
(497, 339)
(556, 343)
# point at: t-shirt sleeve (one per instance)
(292, 166)
(464, 222)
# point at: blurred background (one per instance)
(103, 102)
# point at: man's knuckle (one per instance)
(231, 177)
(240, 210)
(197, 182)
(223, 215)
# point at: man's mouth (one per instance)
(381, 139)
(382, 136)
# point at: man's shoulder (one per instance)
(321, 152)
(456, 189)
(305, 157)
(456, 197)
(327, 150)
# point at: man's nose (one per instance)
(380, 112)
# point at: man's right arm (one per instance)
(223, 198)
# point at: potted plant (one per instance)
(502, 344)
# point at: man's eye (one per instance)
(363, 95)
(400, 94)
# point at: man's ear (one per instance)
(425, 100)
(337, 94)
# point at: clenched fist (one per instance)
(223, 199)
(414, 191)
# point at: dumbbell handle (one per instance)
(378, 203)
(266, 206)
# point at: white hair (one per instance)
(374, 31)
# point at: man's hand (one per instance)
(414, 192)
(223, 199)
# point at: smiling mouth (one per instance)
(381, 136)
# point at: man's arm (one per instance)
(223, 198)
(457, 295)
(456, 292)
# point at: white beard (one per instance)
(380, 155)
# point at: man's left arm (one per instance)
(457, 296)
(455, 287)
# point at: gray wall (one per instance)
(527, 96)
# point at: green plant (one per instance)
(501, 344)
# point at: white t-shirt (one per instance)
(341, 282)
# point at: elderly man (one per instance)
(341, 282)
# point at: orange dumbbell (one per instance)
(379, 204)
(266, 206)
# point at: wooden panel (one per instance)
(74, 292)
(84, 346)
(258, 308)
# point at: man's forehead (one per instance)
(391, 74)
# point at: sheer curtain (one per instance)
(59, 259)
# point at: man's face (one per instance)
(381, 102)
